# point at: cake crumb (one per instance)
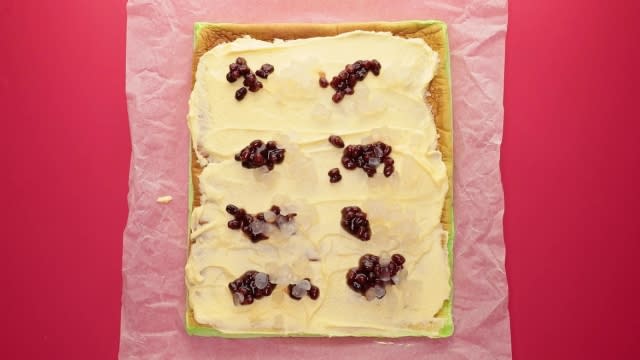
(164, 199)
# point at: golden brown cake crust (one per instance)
(438, 95)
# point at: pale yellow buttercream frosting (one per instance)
(404, 209)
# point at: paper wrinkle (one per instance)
(158, 84)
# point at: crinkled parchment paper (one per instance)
(159, 48)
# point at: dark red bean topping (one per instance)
(355, 222)
(275, 156)
(368, 262)
(261, 73)
(234, 224)
(336, 141)
(359, 283)
(256, 143)
(284, 218)
(241, 93)
(361, 74)
(335, 81)
(348, 164)
(323, 80)
(337, 97)
(231, 209)
(368, 157)
(258, 154)
(344, 83)
(314, 292)
(375, 67)
(352, 151)
(267, 68)
(268, 290)
(351, 274)
(251, 285)
(369, 170)
(398, 259)
(290, 291)
(244, 69)
(255, 86)
(334, 175)
(392, 267)
(258, 159)
(255, 237)
(240, 68)
(249, 80)
(371, 273)
(245, 225)
(231, 77)
(388, 170)
(242, 221)
(297, 293)
(353, 80)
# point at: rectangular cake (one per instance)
(321, 181)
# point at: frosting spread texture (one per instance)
(404, 210)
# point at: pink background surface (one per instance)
(570, 164)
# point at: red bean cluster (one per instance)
(304, 287)
(347, 79)
(243, 221)
(277, 218)
(258, 154)
(251, 285)
(371, 276)
(241, 69)
(355, 222)
(368, 157)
